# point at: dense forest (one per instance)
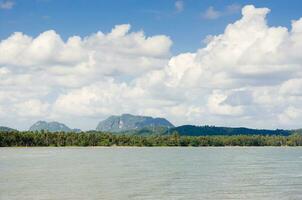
(192, 130)
(94, 138)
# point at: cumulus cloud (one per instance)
(116, 53)
(31, 108)
(252, 57)
(249, 75)
(46, 66)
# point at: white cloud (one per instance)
(179, 6)
(81, 60)
(217, 106)
(7, 5)
(233, 8)
(99, 98)
(32, 108)
(290, 116)
(45, 67)
(250, 75)
(211, 13)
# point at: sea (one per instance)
(151, 173)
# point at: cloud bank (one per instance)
(250, 75)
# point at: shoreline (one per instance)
(117, 147)
(29, 139)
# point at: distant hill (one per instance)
(51, 127)
(128, 122)
(297, 131)
(6, 129)
(191, 130)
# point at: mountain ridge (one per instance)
(128, 122)
(52, 126)
(6, 129)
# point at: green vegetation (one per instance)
(214, 130)
(156, 130)
(94, 138)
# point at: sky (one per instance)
(223, 63)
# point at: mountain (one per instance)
(51, 127)
(6, 129)
(128, 122)
(191, 130)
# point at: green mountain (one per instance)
(51, 127)
(6, 129)
(132, 123)
(191, 130)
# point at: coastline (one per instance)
(139, 147)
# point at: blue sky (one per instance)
(187, 28)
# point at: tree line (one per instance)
(42, 138)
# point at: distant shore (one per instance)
(139, 147)
(61, 139)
